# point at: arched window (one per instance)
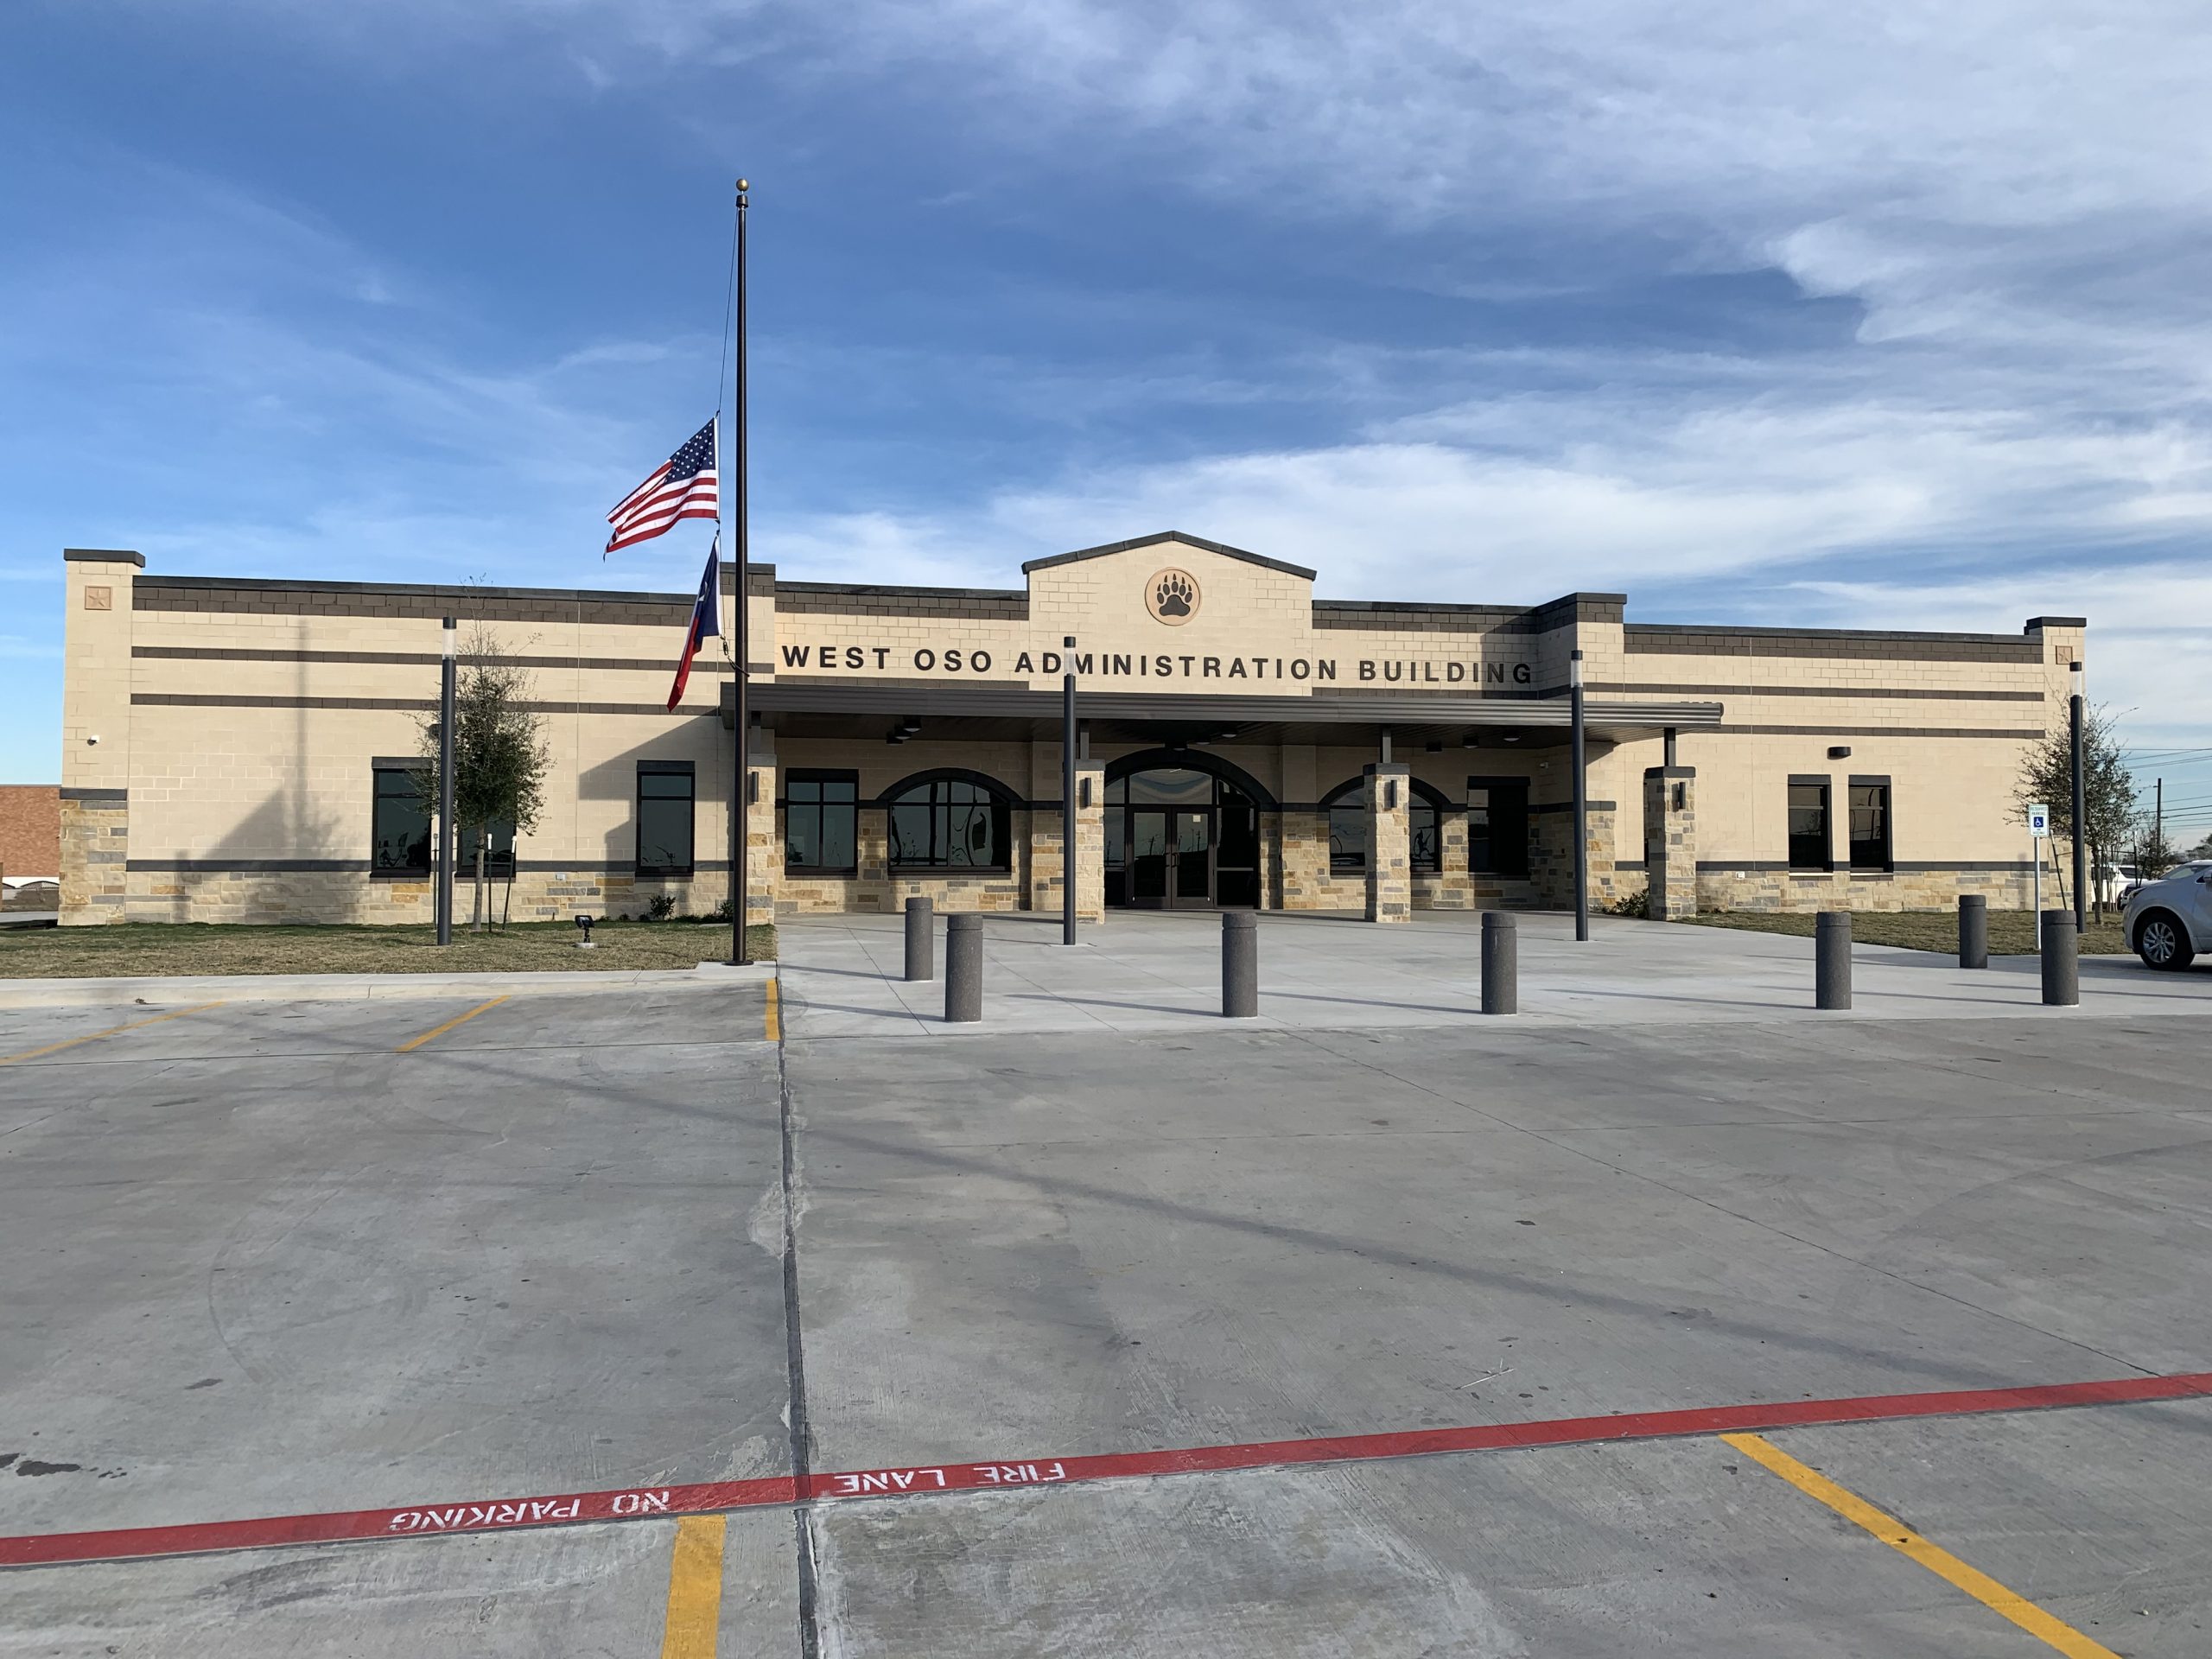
(1347, 805)
(950, 821)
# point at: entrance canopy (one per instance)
(1003, 713)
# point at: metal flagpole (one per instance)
(2080, 829)
(742, 782)
(447, 841)
(1580, 763)
(1067, 794)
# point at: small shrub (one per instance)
(661, 908)
(1636, 905)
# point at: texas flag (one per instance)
(706, 618)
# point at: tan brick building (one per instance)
(238, 749)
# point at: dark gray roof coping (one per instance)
(1577, 604)
(435, 590)
(103, 555)
(871, 590)
(1154, 540)
(2038, 624)
(1680, 628)
(1422, 608)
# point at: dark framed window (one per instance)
(822, 821)
(666, 794)
(951, 823)
(399, 824)
(1497, 827)
(1870, 824)
(1347, 805)
(1808, 825)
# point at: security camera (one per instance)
(91, 740)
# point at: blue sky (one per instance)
(1888, 317)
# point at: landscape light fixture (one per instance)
(584, 926)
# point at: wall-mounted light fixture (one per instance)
(1840, 751)
(1082, 793)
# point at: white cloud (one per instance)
(2015, 195)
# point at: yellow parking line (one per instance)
(775, 1017)
(1909, 1544)
(93, 1037)
(438, 1031)
(695, 1588)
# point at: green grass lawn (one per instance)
(199, 948)
(2012, 932)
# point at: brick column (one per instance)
(96, 734)
(1389, 853)
(1090, 841)
(764, 847)
(1671, 841)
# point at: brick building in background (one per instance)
(30, 831)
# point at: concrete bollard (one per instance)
(1501, 962)
(1239, 965)
(963, 969)
(921, 938)
(1973, 931)
(1832, 959)
(2062, 965)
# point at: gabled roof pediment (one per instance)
(1161, 538)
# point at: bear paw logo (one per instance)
(1174, 596)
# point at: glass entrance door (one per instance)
(1193, 858)
(1170, 857)
(1179, 838)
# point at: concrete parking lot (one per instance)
(426, 1258)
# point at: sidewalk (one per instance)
(1138, 971)
(340, 988)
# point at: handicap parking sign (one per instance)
(2039, 821)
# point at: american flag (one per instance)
(682, 486)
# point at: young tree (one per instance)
(2108, 789)
(500, 756)
(2154, 853)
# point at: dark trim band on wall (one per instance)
(1901, 867)
(410, 658)
(2028, 733)
(362, 867)
(1917, 693)
(1568, 806)
(407, 705)
(257, 866)
(1665, 640)
(97, 797)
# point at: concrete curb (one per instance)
(340, 987)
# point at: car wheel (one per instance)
(2161, 942)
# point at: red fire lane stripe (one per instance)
(423, 1521)
(574, 1509)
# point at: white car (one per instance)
(2170, 920)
